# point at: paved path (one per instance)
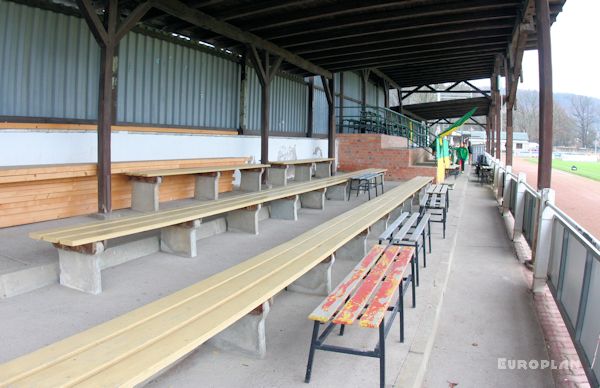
(575, 195)
(487, 311)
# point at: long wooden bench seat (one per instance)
(81, 248)
(134, 347)
(146, 183)
(303, 170)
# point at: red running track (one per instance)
(577, 196)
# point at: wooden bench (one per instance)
(83, 251)
(136, 346)
(453, 169)
(412, 230)
(440, 189)
(367, 181)
(278, 173)
(437, 206)
(364, 297)
(146, 184)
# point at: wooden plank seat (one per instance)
(146, 183)
(366, 182)
(364, 297)
(412, 230)
(437, 206)
(138, 345)
(83, 250)
(303, 170)
(441, 188)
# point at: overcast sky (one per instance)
(575, 51)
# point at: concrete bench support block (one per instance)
(251, 180)
(302, 172)
(207, 186)
(317, 281)
(354, 249)
(278, 176)
(285, 208)
(338, 192)
(244, 220)
(81, 270)
(313, 199)
(380, 226)
(145, 195)
(180, 239)
(323, 170)
(247, 335)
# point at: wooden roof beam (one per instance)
(473, 45)
(381, 17)
(394, 62)
(384, 77)
(424, 33)
(202, 20)
(435, 22)
(402, 43)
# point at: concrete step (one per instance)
(18, 277)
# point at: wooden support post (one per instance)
(497, 106)
(311, 99)
(509, 135)
(386, 94)
(243, 94)
(329, 86)
(107, 108)
(108, 35)
(341, 104)
(498, 127)
(265, 71)
(542, 16)
(365, 73)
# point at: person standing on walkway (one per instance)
(470, 149)
(462, 153)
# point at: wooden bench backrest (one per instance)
(39, 193)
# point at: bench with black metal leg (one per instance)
(366, 182)
(410, 230)
(437, 206)
(365, 296)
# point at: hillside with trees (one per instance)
(576, 118)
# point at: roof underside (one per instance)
(449, 109)
(414, 42)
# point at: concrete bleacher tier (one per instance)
(132, 348)
(86, 250)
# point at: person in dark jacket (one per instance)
(462, 154)
(470, 149)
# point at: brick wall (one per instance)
(357, 151)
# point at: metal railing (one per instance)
(372, 119)
(566, 258)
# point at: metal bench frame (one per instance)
(365, 182)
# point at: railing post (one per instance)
(506, 190)
(496, 173)
(545, 222)
(519, 206)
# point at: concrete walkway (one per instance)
(487, 312)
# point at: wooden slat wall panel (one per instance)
(27, 194)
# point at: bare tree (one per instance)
(564, 127)
(526, 116)
(586, 114)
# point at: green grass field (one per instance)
(586, 169)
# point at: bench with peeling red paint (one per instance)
(367, 292)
